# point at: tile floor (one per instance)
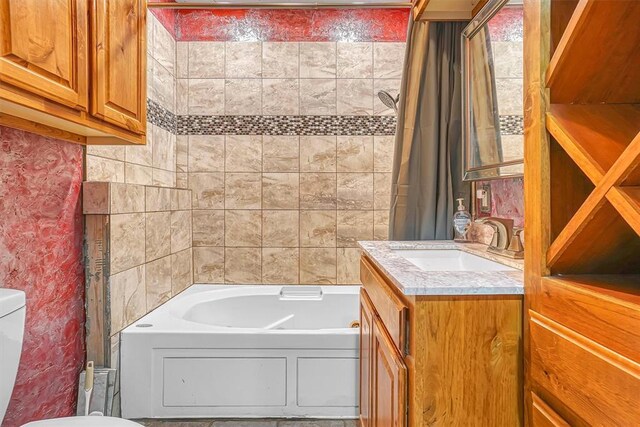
(248, 423)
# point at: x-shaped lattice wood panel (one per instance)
(604, 141)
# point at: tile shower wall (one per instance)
(284, 172)
(284, 147)
(506, 32)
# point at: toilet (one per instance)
(12, 315)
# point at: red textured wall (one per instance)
(41, 253)
(167, 17)
(507, 199)
(296, 25)
(506, 25)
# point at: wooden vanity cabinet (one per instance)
(74, 69)
(389, 380)
(438, 360)
(383, 374)
(366, 325)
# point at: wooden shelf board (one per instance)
(631, 174)
(594, 136)
(561, 12)
(620, 287)
(597, 60)
(626, 200)
(596, 240)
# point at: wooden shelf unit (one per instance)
(595, 59)
(626, 200)
(582, 198)
(596, 240)
(595, 136)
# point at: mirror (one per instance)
(492, 96)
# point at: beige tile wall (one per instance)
(261, 208)
(507, 59)
(285, 209)
(147, 257)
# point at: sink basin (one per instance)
(449, 260)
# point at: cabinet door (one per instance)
(118, 68)
(43, 49)
(366, 323)
(389, 378)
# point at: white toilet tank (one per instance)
(12, 313)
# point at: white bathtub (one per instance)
(244, 351)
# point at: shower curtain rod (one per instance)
(342, 5)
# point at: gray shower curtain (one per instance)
(427, 170)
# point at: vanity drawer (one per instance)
(543, 416)
(390, 308)
(597, 385)
(596, 312)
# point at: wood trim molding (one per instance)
(41, 129)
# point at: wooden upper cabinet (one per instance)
(446, 10)
(119, 65)
(389, 378)
(418, 8)
(75, 69)
(43, 47)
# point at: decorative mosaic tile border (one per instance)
(290, 125)
(159, 116)
(286, 125)
(512, 125)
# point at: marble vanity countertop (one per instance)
(412, 280)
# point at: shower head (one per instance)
(388, 100)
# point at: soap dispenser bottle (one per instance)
(461, 222)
